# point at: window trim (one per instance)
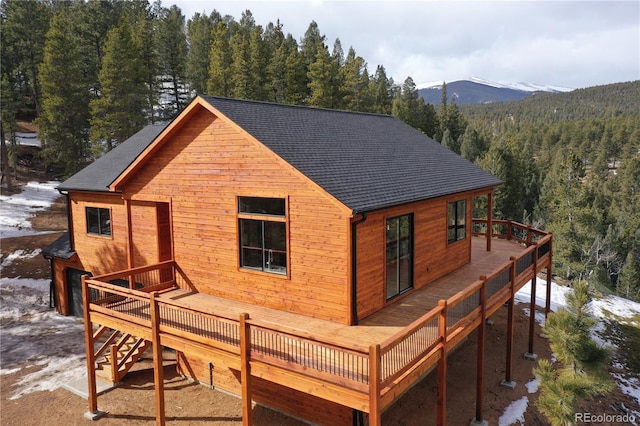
(457, 226)
(263, 217)
(99, 233)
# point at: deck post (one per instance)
(547, 306)
(89, 343)
(245, 368)
(127, 205)
(489, 219)
(375, 370)
(530, 355)
(507, 382)
(158, 372)
(480, 361)
(441, 415)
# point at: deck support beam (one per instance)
(530, 355)
(547, 306)
(489, 219)
(89, 342)
(508, 382)
(245, 371)
(480, 361)
(158, 371)
(441, 414)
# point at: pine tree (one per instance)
(580, 372)
(219, 82)
(381, 89)
(120, 110)
(23, 30)
(199, 29)
(64, 122)
(259, 59)
(295, 79)
(322, 77)
(355, 83)
(501, 162)
(143, 22)
(172, 53)
(629, 281)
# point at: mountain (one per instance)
(477, 91)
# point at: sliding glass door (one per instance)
(399, 255)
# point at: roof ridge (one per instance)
(306, 107)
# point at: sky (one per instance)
(570, 44)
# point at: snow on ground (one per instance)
(16, 210)
(51, 345)
(33, 337)
(25, 138)
(607, 309)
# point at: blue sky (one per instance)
(569, 44)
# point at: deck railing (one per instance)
(373, 370)
(296, 351)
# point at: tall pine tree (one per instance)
(64, 121)
(119, 112)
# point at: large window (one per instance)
(98, 221)
(399, 255)
(457, 221)
(263, 234)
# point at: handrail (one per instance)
(299, 351)
(404, 342)
(133, 271)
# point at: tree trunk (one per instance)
(4, 153)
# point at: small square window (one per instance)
(98, 221)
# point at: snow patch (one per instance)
(19, 208)
(514, 413)
(51, 344)
(29, 139)
(532, 385)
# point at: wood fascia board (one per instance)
(281, 160)
(159, 141)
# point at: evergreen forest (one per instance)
(92, 73)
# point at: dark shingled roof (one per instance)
(98, 175)
(366, 161)
(60, 248)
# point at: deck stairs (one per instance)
(117, 354)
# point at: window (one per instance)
(399, 255)
(457, 221)
(98, 221)
(263, 234)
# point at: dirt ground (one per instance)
(190, 403)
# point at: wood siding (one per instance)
(433, 256)
(100, 254)
(203, 168)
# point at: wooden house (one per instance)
(319, 262)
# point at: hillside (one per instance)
(471, 92)
(608, 101)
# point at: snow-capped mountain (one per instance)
(476, 90)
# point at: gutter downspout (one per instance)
(354, 272)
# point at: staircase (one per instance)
(118, 354)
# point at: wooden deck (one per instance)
(365, 367)
(376, 328)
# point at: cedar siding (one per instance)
(203, 168)
(433, 256)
